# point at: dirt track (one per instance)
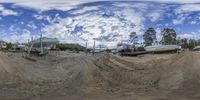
(61, 76)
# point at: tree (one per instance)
(133, 38)
(9, 46)
(169, 36)
(150, 36)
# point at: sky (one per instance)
(109, 21)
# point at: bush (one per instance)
(140, 49)
(71, 47)
(9, 46)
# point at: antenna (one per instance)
(94, 46)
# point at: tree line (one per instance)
(169, 37)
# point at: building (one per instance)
(48, 43)
(42, 45)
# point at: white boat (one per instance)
(162, 48)
(197, 48)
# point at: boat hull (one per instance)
(163, 48)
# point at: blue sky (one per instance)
(109, 21)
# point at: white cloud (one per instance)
(193, 22)
(6, 12)
(180, 19)
(95, 26)
(31, 25)
(84, 9)
(141, 6)
(39, 17)
(43, 5)
(192, 35)
(154, 16)
(185, 8)
(22, 38)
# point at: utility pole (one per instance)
(194, 41)
(86, 47)
(94, 46)
(41, 46)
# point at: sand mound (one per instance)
(179, 74)
(81, 75)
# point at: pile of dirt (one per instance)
(178, 75)
(62, 75)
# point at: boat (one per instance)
(163, 48)
(197, 48)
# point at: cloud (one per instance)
(22, 38)
(180, 19)
(112, 23)
(44, 5)
(141, 6)
(174, 1)
(84, 9)
(31, 25)
(154, 16)
(185, 8)
(192, 35)
(91, 25)
(193, 22)
(6, 12)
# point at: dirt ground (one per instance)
(71, 76)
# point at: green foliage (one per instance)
(108, 50)
(133, 37)
(188, 43)
(9, 46)
(169, 36)
(149, 36)
(125, 50)
(71, 47)
(140, 49)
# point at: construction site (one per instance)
(99, 50)
(76, 76)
